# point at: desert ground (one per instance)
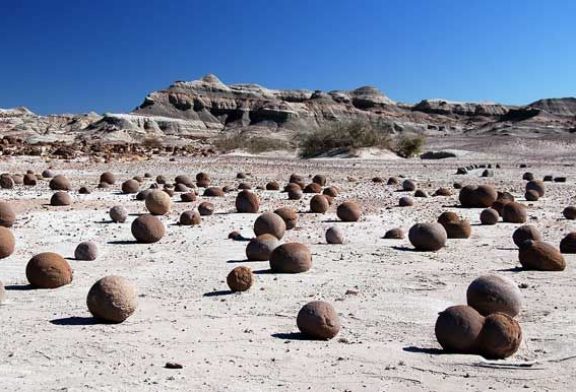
(387, 295)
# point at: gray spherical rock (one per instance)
(457, 329)
(260, 248)
(118, 214)
(292, 257)
(318, 320)
(112, 299)
(493, 293)
(270, 223)
(428, 237)
(569, 213)
(147, 229)
(408, 186)
(394, 234)
(405, 201)
(334, 235)
(86, 251)
(130, 186)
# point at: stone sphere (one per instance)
(7, 215)
(569, 213)
(493, 293)
(60, 183)
(108, 178)
(297, 179)
(190, 218)
(161, 179)
(142, 194)
(537, 186)
(29, 180)
(185, 180)
(206, 208)
(568, 244)
(147, 229)
(489, 216)
(130, 186)
(405, 201)
(47, 173)
(272, 186)
(319, 204)
(443, 192)
(112, 299)
(181, 188)
(6, 182)
(118, 214)
(524, 233)
(158, 202)
(240, 279)
(457, 329)
(334, 235)
(291, 186)
(393, 181)
(420, 193)
(531, 195)
(394, 234)
(319, 179)
(312, 188)
(7, 242)
(540, 256)
(514, 212)
(318, 320)
(428, 237)
(289, 215)
(213, 191)
(247, 202)
(291, 257)
(86, 251)
(295, 194)
(270, 223)
(60, 199)
(202, 180)
(260, 248)
(472, 196)
(83, 190)
(330, 191)
(188, 197)
(500, 336)
(349, 211)
(408, 185)
(48, 271)
(528, 176)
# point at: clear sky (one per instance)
(106, 55)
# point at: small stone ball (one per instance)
(260, 248)
(240, 175)
(181, 188)
(161, 179)
(112, 299)
(84, 190)
(47, 173)
(158, 202)
(500, 336)
(118, 214)
(143, 194)
(531, 195)
(188, 197)
(190, 218)
(312, 188)
(243, 185)
(213, 191)
(291, 186)
(130, 186)
(349, 211)
(297, 179)
(206, 208)
(498, 205)
(108, 178)
(270, 223)
(240, 279)
(443, 192)
(86, 251)
(457, 329)
(60, 183)
(48, 271)
(29, 180)
(540, 256)
(235, 235)
(528, 176)
(247, 202)
(569, 213)
(140, 179)
(7, 215)
(185, 180)
(405, 201)
(334, 235)
(514, 212)
(319, 179)
(147, 229)
(448, 217)
(393, 181)
(147, 175)
(18, 179)
(420, 193)
(428, 237)
(377, 180)
(7, 242)
(318, 320)
(290, 216)
(291, 257)
(493, 293)
(489, 216)
(524, 233)
(537, 186)
(60, 199)
(568, 244)
(202, 180)
(272, 186)
(394, 234)
(459, 229)
(6, 181)
(408, 186)
(319, 204)
(294, 194)
(472, 196)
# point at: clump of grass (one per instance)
(252, 144)
(409, 146)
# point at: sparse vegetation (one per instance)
(252, 144)
(409, 146)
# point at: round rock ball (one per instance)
(334, 235)
(7, 215)
(118, 214)
(190, 218)
(60, 183)
(188, 197)
(213, 191)
(319, 204)
(540, 256)
(108, 178)
(161, 179)
(291, 186)
(528, 176)
(531, 195)
(294, 194)
(270, 223)
(493, 294)
(537, 186)
(240, 279)
(272, 186)
(489, 216)
(312, 188)
(428, 237)
(482, 196)
(318, 320)
(29, 180)
(394, 234)
(349, 211)
(247, 202)
(87, 251)
(408, 185)
(84, 190)
(568, 243)
(47, 173)
(7, 242)
(48, 271)
(61, 199)
(459, 229)
(158, 202)
(330, 191)
(443, 192)
(184, 180)
(524, 233)
(260, 248)
(206, 208)
(319, 179)
(130, 186)
(112, 299)
(405, 201)
(569, 213)
(292, 257)
(289, 215)
(202, 180)
(181, 188)
(500, 337)
(457, 329)
(148, 229)
(297, 179)
(6, 182)
(514, 213)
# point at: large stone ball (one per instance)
(319, 204)
(270, 223)
(148, 229)
(489, 216)
(60, 183)
(260, 248)
(428, 236)
(472, 196)
(7, 242)
(240, 279)
(247, 202)
(184, 180)
(7, 215)
(48, 271)
(514, 213)
(334, 235)
(158, 202)
(537, 186)
(297, 179)
(457, 329)
(130, 186)
(190, 218)
(349, 211)
(213, 191)
(568, 243)
(87, 251)
(493, 293)
(289, 215)
(524, 233)
(292, 257)
(500, 336)
(60, 199)
(206, 208)
(540, 256)
(318, 320)
(112, 299)
(118, 214)
(108, 178)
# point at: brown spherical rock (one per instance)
(289, 215)
(443, 192)
(514, 212)
(48, 271)
(319, 179)
(459, 229)
(349, 211)
(83, 190)
(531, 195)
(118, 214)
(498, 205)
(18, 179)
(540, 256)
(30, 180)
(185, 180)
(213, 191)
(524, 233)
(272, 186)
(393, 181)
(493, 293)
(188, 197)
(312, 188)
(260, 248)
(319, 204)
(143, 194)
(6, 182)
(247, 202)
(181, 188)
(428, 237)
(47, 173)
(108, 178)
(569, 213)
(190, 218)
(408, 185)
(60, 199)
(60, 183)
(405, 201)
(457, 329)
(158, 202)
(206, 208)
(291, 257)
(240, 279)
(292, 187)
(147, 229)
(7, 215)
(568, 243)
(318, 320)
(244, 185)
(472, 196)
(334, 235)
(130, 186)
(394, 234)
(536, 185)
(202, 180)
(420, 193)
(112, 299)
(500, 336)
(7, 242)
(528, 176)
(86, 251)
(489, 216)
(294, 194)
(270, 223)
(330, 191)
(161, 179)
(297, 179)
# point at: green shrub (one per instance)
(409, 146)
(252, 144)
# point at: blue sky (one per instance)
(78, 55)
